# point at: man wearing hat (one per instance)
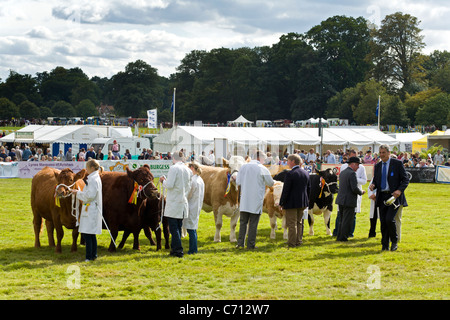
(347, 198)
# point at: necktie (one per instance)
(383, 177)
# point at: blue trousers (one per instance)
(175, 230)
(192, 241)
(91, 246)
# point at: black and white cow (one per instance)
(323, 187)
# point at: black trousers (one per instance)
(387, 221)
(345, 223)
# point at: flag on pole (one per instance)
(378, 108)
(172, 107)
(152, 118)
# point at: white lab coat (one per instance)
(372, 202)
(195, 200)
(178, 185)
(92, 209)
(253, 178)
(361, 177)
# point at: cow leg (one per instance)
(59, 236)
(50, 229)
(273, 226)
(183, 232)
(311, 222)
(136, 245)
(74, 239)
(326, 219)
(233, 222)
(37, 224)
(125, 236)
(218, 221)
(166, 232)
(148, 234)
(285, 230)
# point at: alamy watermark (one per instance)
(74, 279)
(374, 280)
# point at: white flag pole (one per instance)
(379, 112)
(173, 101)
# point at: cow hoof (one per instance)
(311, 233)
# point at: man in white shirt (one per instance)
(438, 158)
(310, 156)
(211, 156)
(253, 179)
(330, 157)
(178, 185)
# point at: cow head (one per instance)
(234, 164)
(277, 190)
(330, 177)
(144, 178)
(66, 178)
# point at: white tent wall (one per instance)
(63, 137)
(405, 140)
(200, 139)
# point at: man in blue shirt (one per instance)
(390, 179)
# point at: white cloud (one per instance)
(102, 36)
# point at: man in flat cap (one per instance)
(347, 198)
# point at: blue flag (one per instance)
(378, 108)
(171, 107)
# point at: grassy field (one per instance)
(321, 269)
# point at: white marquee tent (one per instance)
(406, 139)
(200, 139)
(64, 137)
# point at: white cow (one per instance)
(217, 199)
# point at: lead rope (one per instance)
(161, 190)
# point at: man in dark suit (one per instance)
(390, 179)
(294, 199)
(347, 198)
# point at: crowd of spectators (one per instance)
(311, 157)
(340, 156)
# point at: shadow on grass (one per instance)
(34, 258)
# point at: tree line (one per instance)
(337, 69)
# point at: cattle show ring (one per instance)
(41, 257)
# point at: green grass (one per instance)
(321, 269)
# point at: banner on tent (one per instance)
(9, 169)
(442, 174)
(157, 167)
(367, 167)
(421, 175)
(27, 169)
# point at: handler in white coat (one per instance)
(195, 199)
(178, 185)
(92, 209)
(253, 178)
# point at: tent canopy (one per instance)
(241, 119)
(200, 139)
(63, 134)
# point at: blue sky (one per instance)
(102, 36)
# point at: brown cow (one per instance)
(216, 199)
(117, 190)
(150, 215)
(272, 208)
(43, 203)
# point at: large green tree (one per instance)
(396, 53)
(136, 89)
(343, 44)
(435, 111)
